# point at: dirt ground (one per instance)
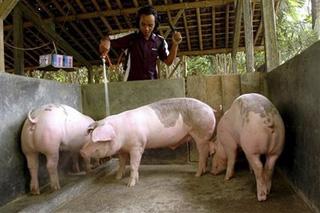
(171, 188)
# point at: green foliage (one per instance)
(200, 65)
(294, 30)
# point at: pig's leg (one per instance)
(203, 149)
(268, 170)
(230, 147)
(52, 164)
(122, 165)
(256, 164)
(135, 158)
(33, 164)
(75, 162)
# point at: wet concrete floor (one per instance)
(173, 188)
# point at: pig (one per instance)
(253, 124)
(166, 123)
(47, 130)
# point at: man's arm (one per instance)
(176, 40)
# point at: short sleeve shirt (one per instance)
(143, 54)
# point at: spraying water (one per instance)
(106, 92)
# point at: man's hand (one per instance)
(176, 37)
(104, 47)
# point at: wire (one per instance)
(26, 49)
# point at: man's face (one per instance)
(147, 24)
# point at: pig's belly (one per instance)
(166, 137)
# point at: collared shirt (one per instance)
(143, 54)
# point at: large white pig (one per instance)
(166, 123)
(254, 124)
(47, 130)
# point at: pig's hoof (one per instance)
(35, 191)
(262, 197)
(131, 183)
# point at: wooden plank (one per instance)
(175, 68)
(248, 31)
(236, 35)
(213, 27)
(214, 51)
(271, 46)
(187, 31)
(50, 34)
(2, 66)
(227, 26)
(6, 6)
(18, 41)
(174, 22)
(199, 28)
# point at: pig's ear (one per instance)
(103, 133)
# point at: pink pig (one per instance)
(166, 123)
(47, 130)
(255, 125)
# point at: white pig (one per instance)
(166, 123)
(255, 125)
(47, 130)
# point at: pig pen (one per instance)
(162, 188)
(167, 182)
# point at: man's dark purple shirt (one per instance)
(143, 54)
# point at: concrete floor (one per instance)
(163, 188)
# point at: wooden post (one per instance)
(236, 35)
(2, 66)
(271, 47)
(18, 41)
(5, 8)
(248, 30)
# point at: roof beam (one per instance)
(133, 10)
(174, 22)
(199, 28)
(6, 6)
(51, 34)
(227, 27)
(214, 51)
(213, 27)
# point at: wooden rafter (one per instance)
(79, 32)
(185, 23)
(6, 6)
(213, 27)
(47, 31)
(83, 9)
(126, 11)
(114, 16)
(174, 22)
(125, 17)
(227, 26)
(199, 28)
(214, 51)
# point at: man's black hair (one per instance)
(147, 10)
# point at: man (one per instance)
(144, 47)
